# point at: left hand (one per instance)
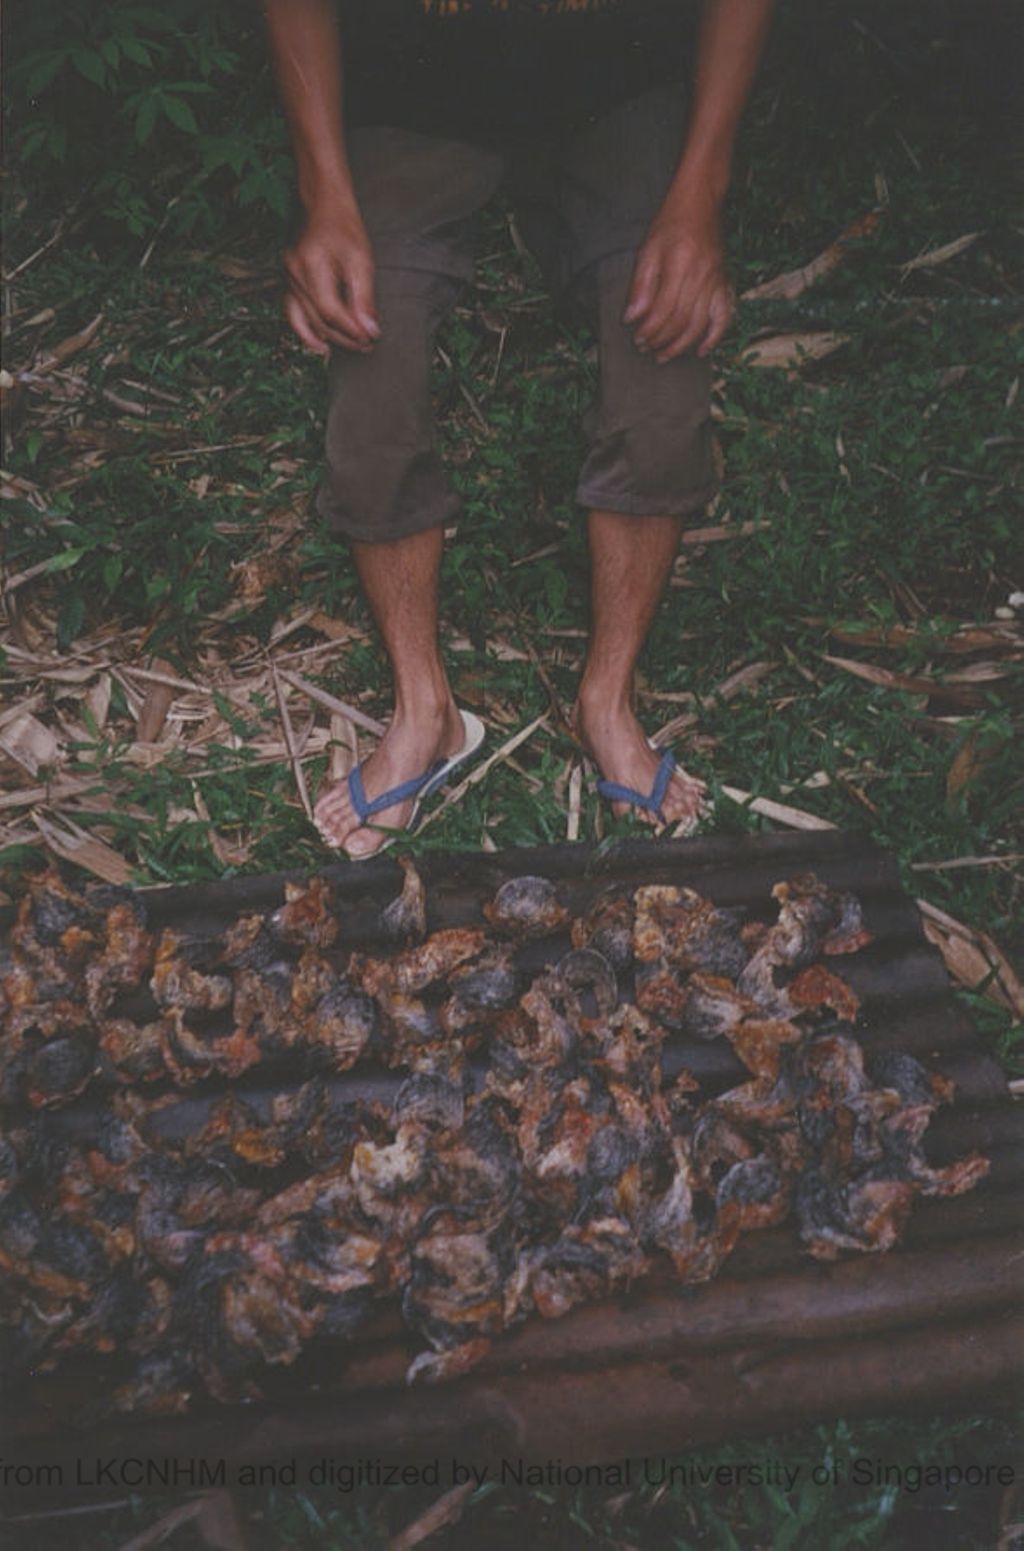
(680, 296)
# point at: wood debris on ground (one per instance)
(789, 286)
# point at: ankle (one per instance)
(602, 699)
(428, 700)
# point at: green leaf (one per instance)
(180, 114)
(43, 72)
(90, 64)
(137, 52)
(65, 560)
(146, 118)
(71, 619)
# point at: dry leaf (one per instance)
(973, 958)
(936, 256)
(254, 576)
(158, 701)
(793, 350)
(227, 854)
(334, 629)
(84, 850)
(70, 346)
(968, 638)
(98, 700)
(796, 281)
(911, 683)
(982, 672)
(29, 743)
(970, 761)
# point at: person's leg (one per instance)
(631, 558)
(648, 468)
(399, 580)
(385, 490)
(649, 464)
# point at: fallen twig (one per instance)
(572, 828)
(479, 771)
(447, 1510)
(332, 703)
(789, 286)
(721, 530)
(968, 861)
(294, 758)
(781, 812)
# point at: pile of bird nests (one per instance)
(560, 1167)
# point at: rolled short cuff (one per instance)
(595, 499)
(419, 497)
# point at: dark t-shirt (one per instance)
(490, 69)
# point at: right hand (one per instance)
(330, 284)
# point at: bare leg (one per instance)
(631, 558)
(399, 579)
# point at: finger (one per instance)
(296, 316)
(694, 326)
(320, 283)
(643, 286)
(361, 299)
(670, 283)
(720, 315)
(667, 317)
(301, 313)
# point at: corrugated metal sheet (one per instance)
(775, 1338)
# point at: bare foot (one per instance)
(410, 746)
(619, 745)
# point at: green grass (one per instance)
(889, 486)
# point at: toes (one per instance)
(333, 805)
(334, 818)
(360, 843)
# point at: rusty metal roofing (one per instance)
(774, 1339)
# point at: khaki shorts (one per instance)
(584, 207)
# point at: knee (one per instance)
(383, 478)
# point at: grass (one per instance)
(838, 1486)
(887, 479)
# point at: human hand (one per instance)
(329, 300)
(679, 296)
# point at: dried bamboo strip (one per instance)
(332, 703)
(782, 813)
(479, 771)
(294, 756)
(572, 828)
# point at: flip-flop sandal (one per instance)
(651, 802)
(419, 787)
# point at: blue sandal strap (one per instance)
(365, 809)
(653, 800)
